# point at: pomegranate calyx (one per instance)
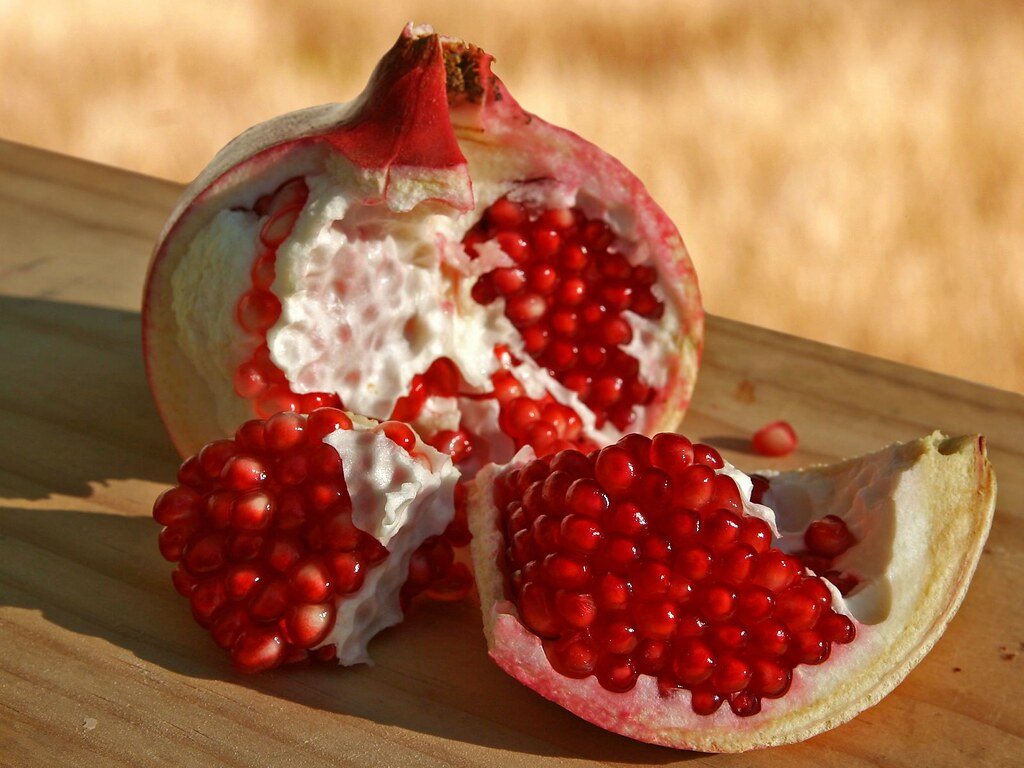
(401, 126)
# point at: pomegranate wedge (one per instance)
(658, 592)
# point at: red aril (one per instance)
(775, 439)
(707, 627)
(310, 565)
(429, 253)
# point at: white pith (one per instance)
(399, 500)
(372, 292)
(936, 495)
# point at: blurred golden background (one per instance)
(848, 172)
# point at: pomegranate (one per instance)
(302, 537)
(430, 253)
(658, 592)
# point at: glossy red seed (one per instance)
(769, 638)
(615, 470)
(828, 537)
(693, 487)
(572, 655)
(694, 562)
(735, 564)
(576, 610)
(269, 600)
(705, 454)
(585, 497)
(755, 533)
(258, 649)
(656, 620)
(253, 511)
(836, 628)
(650, 579)
(754, 604)
(797, 609)
(399, 433)
(774, 570)
(204, 555)
(626, 518)
(718, 602)
(670, 452)
(176, 506)
(346, 572)
(617, 636)
(745, 703)
(616, 673)
(284, 431)
(693, 662)
(310, 582)
(580, 533)
(208, 597)
(566, 571)
(243, 473)
(257, 311)
(731, 674)
(809, 648)
(612, 592)
(706, 701)
(769, 678)
(775, 439)
(720, 530)
(308, 625)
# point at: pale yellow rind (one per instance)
(943, 498)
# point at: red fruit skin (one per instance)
(429, 99)
(953, 503)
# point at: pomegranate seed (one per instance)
(257, 311)
(575, 609)
(585, 497)
(580, 533)
(693, 662)
(706, 701)
(308, 625)
(708, 456)
(656, 620)
(745, 703)
(536, 610)
(505, 214)
(572, 655)
(769, 678)
(672, 453)
(694, 488)
(176, 506)
(828, 537)
(775, 439)
(257, 650)
(616, 673)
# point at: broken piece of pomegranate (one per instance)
(303, 537)
(660, 593)
(431, 253)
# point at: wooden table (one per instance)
(100, 663)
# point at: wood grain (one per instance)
(101, 665)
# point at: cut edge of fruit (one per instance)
(947, 481)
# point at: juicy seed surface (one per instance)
(687, 590)
(567, 296)
(261, 530)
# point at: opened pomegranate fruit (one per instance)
(429, 252)
(428, 283)
(658, 592)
